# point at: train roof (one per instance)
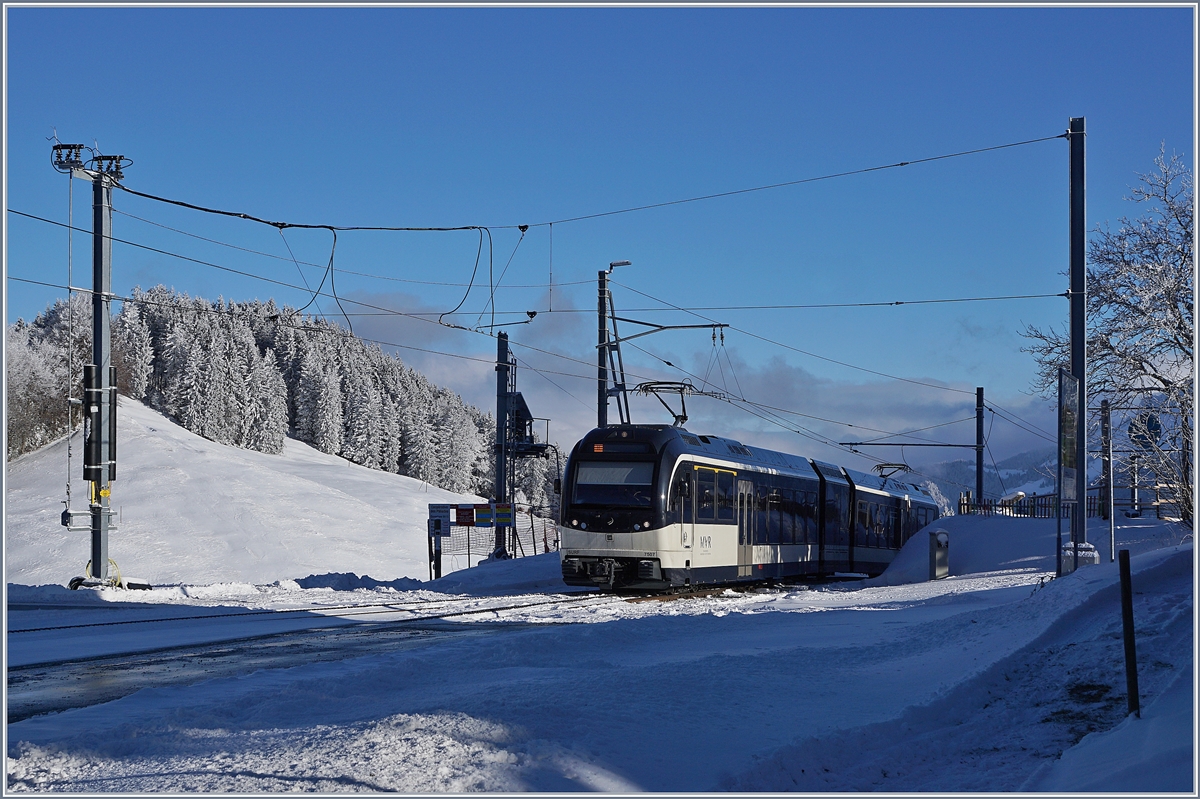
(729, 449)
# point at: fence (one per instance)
(1151, 501)
(467, 546)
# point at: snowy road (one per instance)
(220, 642)
(973, 683)
(50, 688)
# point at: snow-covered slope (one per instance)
(193, 511)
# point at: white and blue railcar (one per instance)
(656, 507)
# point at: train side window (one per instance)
(760, 512)
(809, 512)
(725, 497)
(706, 504)
(837, 515)
(773, 528)
(787, 517)
(862, 522)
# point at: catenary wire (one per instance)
(862, 368)
(420, 316)
(800, 181)
(582, 217)
(796, 349)
(333, 331)
(343, 270)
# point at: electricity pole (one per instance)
(979, 447)
(502, 413)
(1078, 324)
(99, 376)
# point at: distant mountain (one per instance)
(1032, 472)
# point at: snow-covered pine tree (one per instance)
(362, 408)
(456, 440)
(269, 422)
(133, 352)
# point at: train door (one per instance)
(685, 487)
(745, 522)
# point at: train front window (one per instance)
(622, 483)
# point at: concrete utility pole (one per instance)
(1078, 324)
(502, 412)
(979, 447)
(602, 351)
(100, 457)
(99, 376)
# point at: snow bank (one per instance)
(980, 544)
(1151, 754)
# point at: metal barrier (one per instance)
(467, 546)
(1152, 503)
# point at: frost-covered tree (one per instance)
(37, 406)
(133, 352)
(269, 421)
(1141, 321)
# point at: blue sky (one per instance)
(500, 117)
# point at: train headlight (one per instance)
(574, 522)
(584, 525)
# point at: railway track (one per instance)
(41, 688)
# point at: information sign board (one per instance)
(439, 519)
(504, 513)
(483, 515)
(464, 516)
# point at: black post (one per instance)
(602, 352)
(979, 445)
(1131, 681)
(1078, 254)
(500, 550)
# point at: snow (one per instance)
(194, 511)
(996, 678)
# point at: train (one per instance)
(656, 507)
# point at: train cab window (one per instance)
(706, 490)
(726, 499)
(620, 483)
